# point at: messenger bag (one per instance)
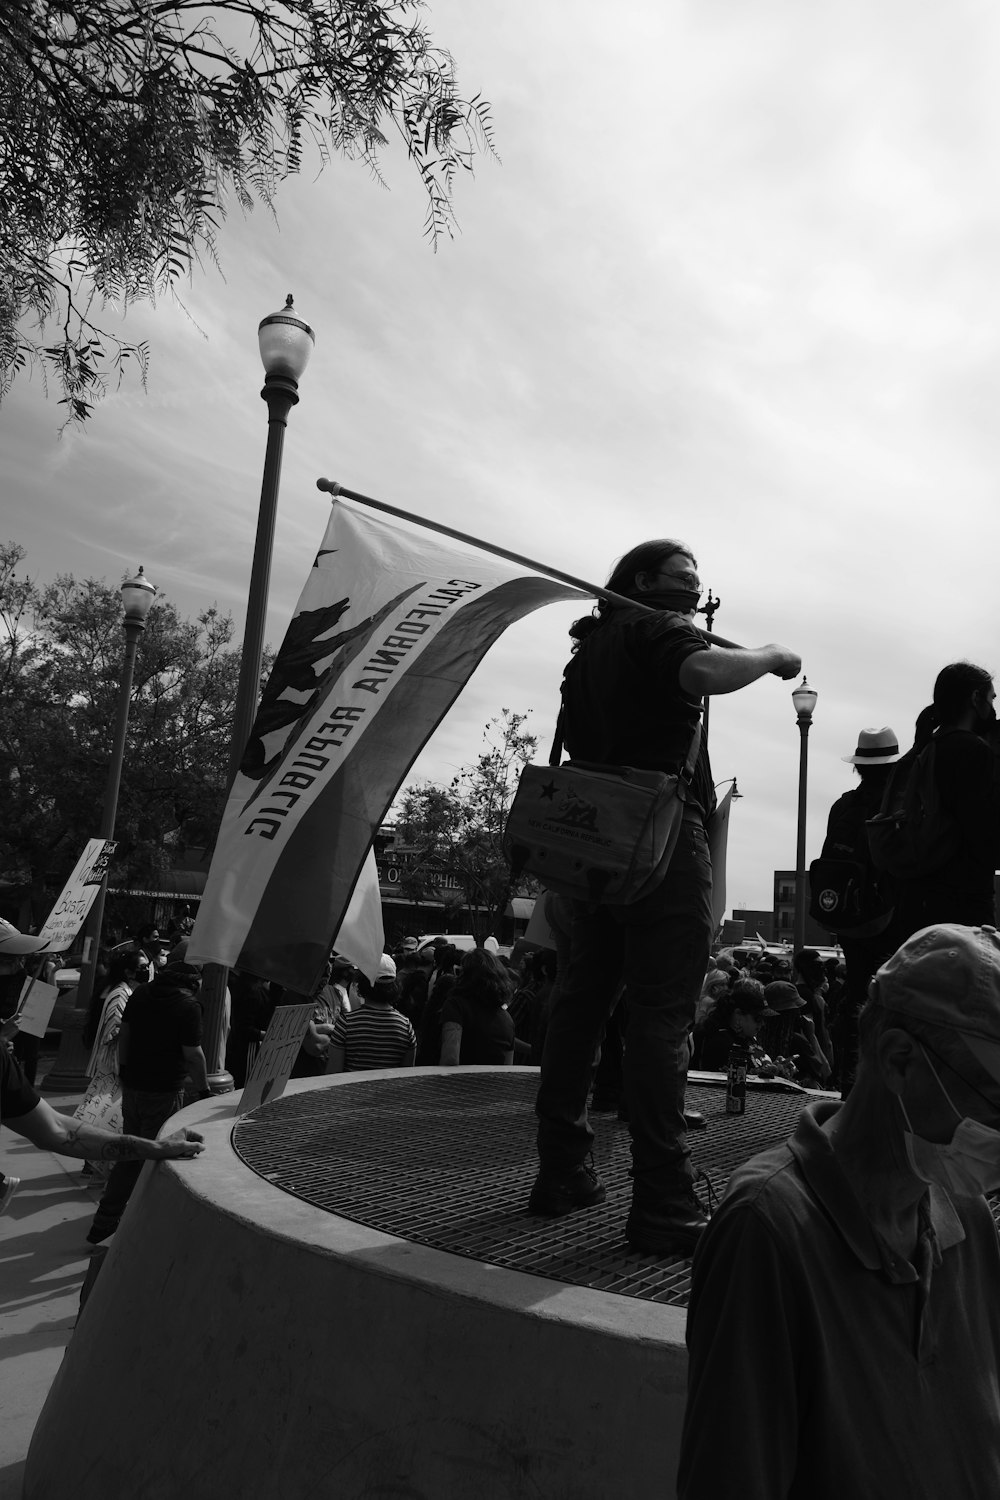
(602, 834)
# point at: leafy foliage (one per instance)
(126, 126)
(458, 829)
(61, 651)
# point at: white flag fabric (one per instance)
(362, 936)
(718, 843)
(391, 624)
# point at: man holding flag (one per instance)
(632, 696)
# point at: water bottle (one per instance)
(736, 1079)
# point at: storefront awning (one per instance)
(171, 885)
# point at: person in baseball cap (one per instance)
(15, 944)
(943, 986)
(867, 1235)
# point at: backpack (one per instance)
(846, 893)
(913, 836)
(846, 896)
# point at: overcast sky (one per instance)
(733, 280)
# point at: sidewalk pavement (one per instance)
(44, 1258)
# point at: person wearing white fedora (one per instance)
(846, 887)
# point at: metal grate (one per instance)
(447, 1160)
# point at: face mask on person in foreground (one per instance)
(967, 1166)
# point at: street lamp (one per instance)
(137, 597)
(804, 698)
(285, 344)
(708, 610)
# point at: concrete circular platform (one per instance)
(381, 1339)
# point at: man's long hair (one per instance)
(645, 558)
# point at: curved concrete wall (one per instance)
(242, 1345)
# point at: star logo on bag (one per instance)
(548, 790)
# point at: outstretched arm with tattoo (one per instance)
(67, 1137)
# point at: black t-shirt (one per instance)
(17, 1097)
(162, 1019)
(624, 705)
(487, 1033)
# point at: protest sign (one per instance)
(35, 1007)
(274, 1062)
(70, 912)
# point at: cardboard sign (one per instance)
(79, 893)
(35, 1007)
(274, 1062)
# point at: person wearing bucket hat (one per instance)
(848, 896)
(866, 1236)
(736, 1016)
(789, 1036)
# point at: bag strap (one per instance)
(555, 754)
(687, 771)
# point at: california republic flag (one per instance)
(390, 626)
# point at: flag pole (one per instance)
(331, 487)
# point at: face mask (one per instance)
(968, 1166)
(683, 601)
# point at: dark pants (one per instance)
(609, 1079)
(26, 1048)
(143, 1114)
(659, 947)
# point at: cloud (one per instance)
(733, 281)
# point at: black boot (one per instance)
(672, 1225)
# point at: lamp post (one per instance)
(137, 597)
(804, 698)
(285, 344)
(708, 610)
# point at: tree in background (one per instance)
(126, 127)
(61, 651)
(457, 830)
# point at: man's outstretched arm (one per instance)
(54, 1132)
(726, 670)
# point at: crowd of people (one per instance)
(876, 1204)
